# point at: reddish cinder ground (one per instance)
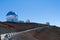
(46, 33)
(51, 33)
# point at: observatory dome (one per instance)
(11, 17)
(11, 13)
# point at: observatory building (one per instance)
(12, 17)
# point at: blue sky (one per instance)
(40, 11)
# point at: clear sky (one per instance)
(40, 11)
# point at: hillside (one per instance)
(37, 31)
(42, 33)
(17, 27)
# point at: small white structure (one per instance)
(47, 23)
(27, 21)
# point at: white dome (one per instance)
(11, 17)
